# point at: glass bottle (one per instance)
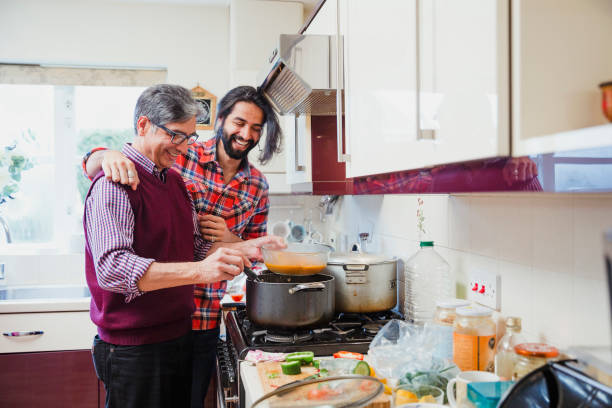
(505, 357)
(428, 279)
(474, 339)
(530, 356)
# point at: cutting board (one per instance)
(264, 369)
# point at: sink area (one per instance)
(44, 292)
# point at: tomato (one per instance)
(367, 385)
(317, 393)
(322, 393)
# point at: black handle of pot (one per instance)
(252, 275)
(307, 287)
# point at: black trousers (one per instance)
(152, 375)
(204, 352)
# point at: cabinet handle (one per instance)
(342, 158)
(296, 130)
(23, 333)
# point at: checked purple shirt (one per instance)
(110, 226)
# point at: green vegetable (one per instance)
(316, 363)
(291, 367)
(323, 373)
(273, 375)
(304, 357)
(362, 368)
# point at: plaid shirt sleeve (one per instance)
(110, 226)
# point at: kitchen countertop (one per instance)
(44, 305)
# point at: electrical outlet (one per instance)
(484, 287)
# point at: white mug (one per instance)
(281, 228)
(462, 380)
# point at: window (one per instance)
(53, 125)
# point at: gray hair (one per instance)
(165, 103)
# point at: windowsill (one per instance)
(29, 249)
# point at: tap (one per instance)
(7, 231)
(327, 203)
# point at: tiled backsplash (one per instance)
(547, 248)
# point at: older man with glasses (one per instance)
(144, 253)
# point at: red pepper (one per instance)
(348, 354)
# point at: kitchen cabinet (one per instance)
(311, 152)
(430, 83)
(560, 53)
(425, 84)
(61, 331)
(53, 369)
(311, 141)
(49, 379)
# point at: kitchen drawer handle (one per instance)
(356, 267)
(23, 333)
(312, 286)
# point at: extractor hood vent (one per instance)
(301, 75)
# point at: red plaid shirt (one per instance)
(243, 203)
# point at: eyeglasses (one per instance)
(178, 137)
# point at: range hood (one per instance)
(301, 76)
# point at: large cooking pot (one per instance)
(364, 282)
(289, 302)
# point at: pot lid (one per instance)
(358, 258)
(340, 391)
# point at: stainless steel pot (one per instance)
(364, 282)
(288, 302)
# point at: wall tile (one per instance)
(518, 294)
(592, 216)
(485, 215)
(435, 211)
(590, 314)
(514, 234)
(459, 222)
(397, 216)
(553, 307)
(553, 244)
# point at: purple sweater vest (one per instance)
(163, 230)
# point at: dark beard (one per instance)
(227, 145)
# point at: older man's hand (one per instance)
(222, 264)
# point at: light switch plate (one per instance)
(484, 287)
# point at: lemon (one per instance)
(427, 398)
(405, 397)
(388, 390)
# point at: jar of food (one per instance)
(474, 339)
(444, 317)
(530, 356)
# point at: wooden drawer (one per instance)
(61, 331)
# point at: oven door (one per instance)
(226, 376)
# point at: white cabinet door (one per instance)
(324, 23)
(452, 55)
(380, 54)
(463, 79)
(298, 159)
(274, 170)
(560, 53)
